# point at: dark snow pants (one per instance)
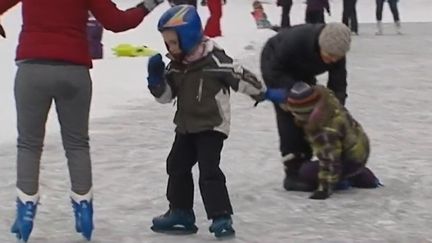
(349, 15)
(393, 8)
(315, 16)
(204, 148)
(37, 84)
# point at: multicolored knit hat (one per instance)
(302, 98)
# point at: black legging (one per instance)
(349, 15)
(285, 22)
(393, 8)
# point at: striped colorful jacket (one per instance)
(335, 137)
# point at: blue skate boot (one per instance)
(175, 221)
(83, 210)
(222, 227)
(26, 212)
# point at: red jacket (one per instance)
(56, 29)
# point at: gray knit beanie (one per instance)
(335, 39)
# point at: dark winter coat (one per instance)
(56, 29)
(294, 55)
(202, 90)
(317, 5)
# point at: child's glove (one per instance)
(2, 31)
(155, 69)
(276, 95)
(149, 5)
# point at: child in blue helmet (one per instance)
(199, 75)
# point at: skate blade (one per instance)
(176, 230)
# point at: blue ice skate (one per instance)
(26, 212)
(175, 221)
(222, 227)
(83, 211)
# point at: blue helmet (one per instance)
(185, 21)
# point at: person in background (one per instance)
(349, 15)
(286, 9)
(393, 4)
(204, 2)
(53, 58)
(213, 26)
(315, 11)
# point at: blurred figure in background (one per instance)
(395, 12)
(213, 26)
(349, 15)
(315, 11)
(286, 8)
(204, 2)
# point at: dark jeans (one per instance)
(314, 17)
(204, 148)
(393, 9)
(349, 15)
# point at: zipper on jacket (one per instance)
(200, 90)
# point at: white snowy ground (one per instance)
(389, 93)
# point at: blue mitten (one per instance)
(155, 69)
(276, 95)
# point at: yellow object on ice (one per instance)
(128, 50)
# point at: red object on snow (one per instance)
(213, 27)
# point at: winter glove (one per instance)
(276, 95)
(149, 5)
(156, 70)
(2, 31)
